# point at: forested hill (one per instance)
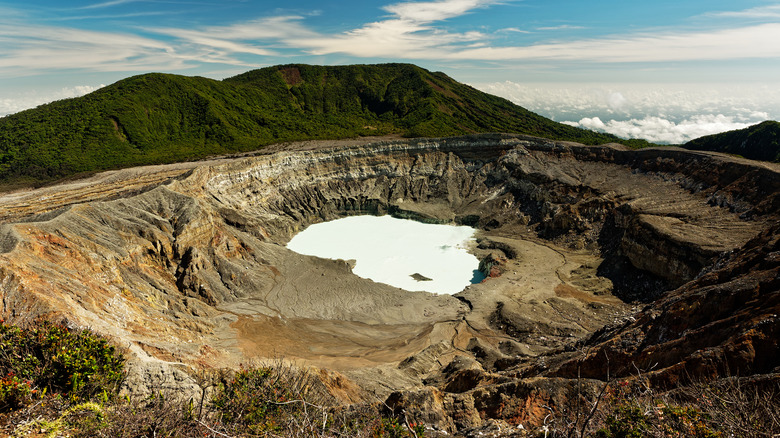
(758, 142)
(163, 118)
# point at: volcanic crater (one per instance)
(185, 265)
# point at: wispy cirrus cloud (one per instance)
(270, 31)
(262, 37)
(768, 12)
(208, 39)
(392, 39)
(734, 43)
(108, 16)
(107, 4)
(413, 34)
(32, 49)
(513, 29)
(427, 12)
(561, 27)
(410, 31)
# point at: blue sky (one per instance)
(664, 70)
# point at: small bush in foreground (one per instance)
(15, 392)
(279, 400)
(729, 407)
(664, 420)
(256, 398)
(47, 358)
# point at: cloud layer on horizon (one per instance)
(667, 114)
(664, 131)
(23, 101)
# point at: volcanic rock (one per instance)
(185, 267)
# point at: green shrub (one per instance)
(252, 398)
(51, 358)
(392, 428)
(283, 401)
(627, 421)
(635, 420)
(686, 421)
(15, 392)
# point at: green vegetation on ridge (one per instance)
(162, 118)
(757, 142)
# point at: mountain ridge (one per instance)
(160, 118)
(757, 142)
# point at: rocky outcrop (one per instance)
(186, 266)
(510, 406)
(724, 323)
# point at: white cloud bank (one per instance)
(20, 102)
(664, 131)
(661, 113)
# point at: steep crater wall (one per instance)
(194, 270)
(668, 212)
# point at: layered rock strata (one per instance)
(185, 265)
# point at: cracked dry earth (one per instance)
(185, 265)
